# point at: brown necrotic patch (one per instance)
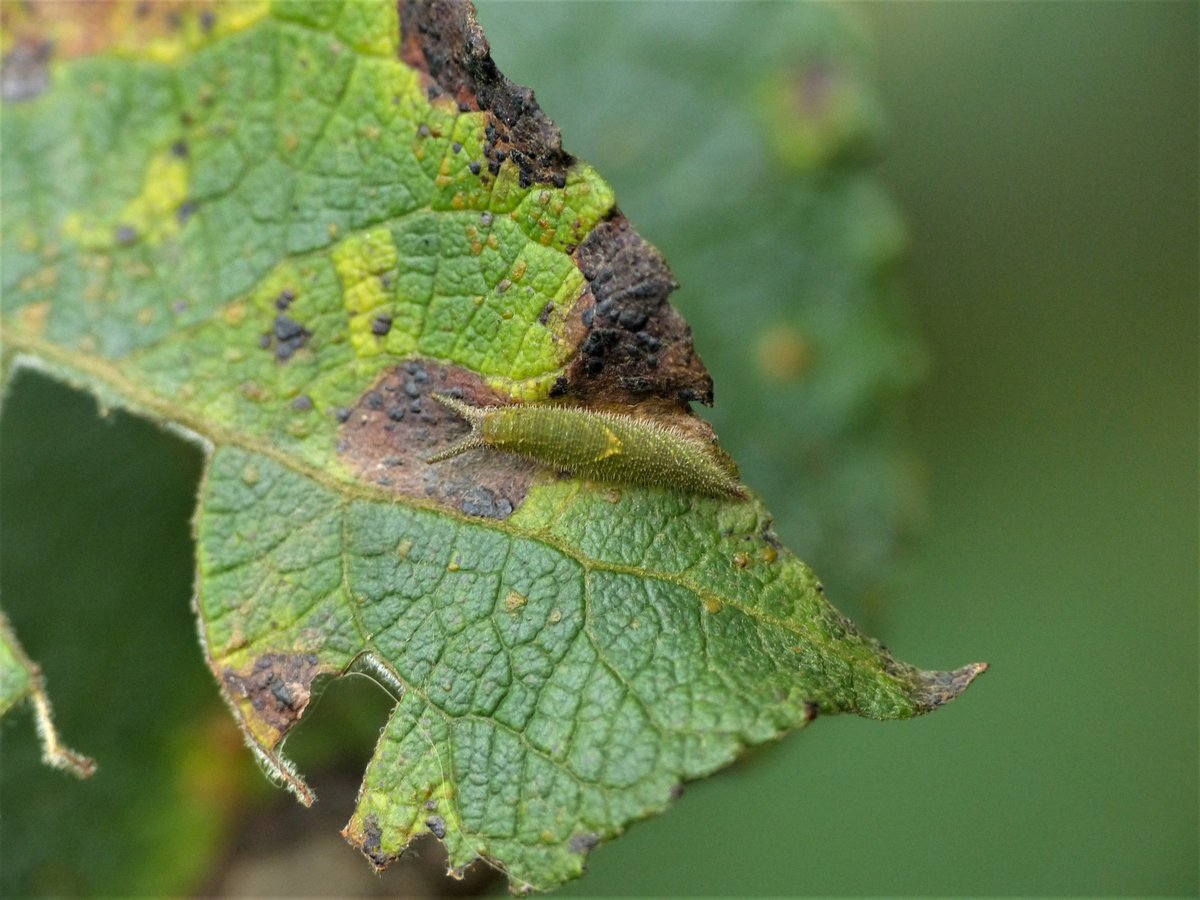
(633, 345)
(277, 686)
(388, 436)
(442, 40)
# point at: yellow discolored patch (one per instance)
(152, 216)
(186, 33)
(514, 601)
(364, 263)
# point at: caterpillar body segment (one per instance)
(608, 447)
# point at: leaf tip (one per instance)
(934, 689)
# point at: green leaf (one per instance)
(281, 228)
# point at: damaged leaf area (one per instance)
(284, 228)
(21, 680)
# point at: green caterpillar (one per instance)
(607, 447)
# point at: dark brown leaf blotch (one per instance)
(633, 345)
(396, 426)
(441, 39)
(278, 687)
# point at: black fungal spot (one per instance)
(456, 147)
(632, 319)
(544, 315)
(126, 235)
(381, 325)
(475, 167)
(282, 694)
(342, 414)
(287, 335)
(303, 403)
(179, 149)
(485, 219)
(396, 413)
(284, 300)
(186, 209)
(436, 826)
(207, 20)
(372, 843)
(480, 501)
(375, 400)
(811, 710)
(287, 328)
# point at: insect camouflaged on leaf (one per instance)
(614, 448)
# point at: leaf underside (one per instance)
(281, 228)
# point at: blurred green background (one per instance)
(1042, 166)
